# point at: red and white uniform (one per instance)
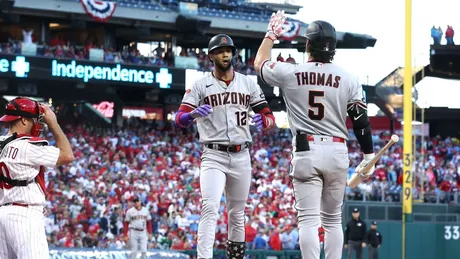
(21, 207)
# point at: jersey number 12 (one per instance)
(317, 113)
(242, 118)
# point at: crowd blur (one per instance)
(160, 164)
(159, 57)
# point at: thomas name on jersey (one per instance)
(313, 78)
(228, 98)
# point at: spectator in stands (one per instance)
(259, 242)
(450, 35)
(275, 241)
(27, 35)
(436, 34)
(250, 233)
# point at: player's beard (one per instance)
(222, 67)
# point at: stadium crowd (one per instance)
(160, 164)
(160, 57)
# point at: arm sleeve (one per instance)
(190, 102)
(260, 105)
(273, 73)
(357, 111)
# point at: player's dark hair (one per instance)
(319, 55)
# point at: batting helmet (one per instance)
(322, 37)
(221, 40)
(25, 107)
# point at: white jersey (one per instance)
(229, 121)
(138, 218)
(25, 158)
(317, 95)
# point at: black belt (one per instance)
(15, 204)
(228, 148)
(137, 229)
(14, 182)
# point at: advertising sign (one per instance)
(82, 71)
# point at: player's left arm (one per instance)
(260, 106)
(357, 111)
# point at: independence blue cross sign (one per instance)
(20, 66)
(163, 78)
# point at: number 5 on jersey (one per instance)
(316, 108)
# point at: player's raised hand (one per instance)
(50, 116)
(275, 27)
(366, 160)
(258, 121)
(202, 111)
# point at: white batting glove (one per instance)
(275, 27)
(366, 160)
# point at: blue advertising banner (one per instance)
(82, 71)
(85, 253)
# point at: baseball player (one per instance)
(318, 96)
(220, 104)
(138, 222)
(23, 159)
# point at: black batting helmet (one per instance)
(322, 37)
(221, 40)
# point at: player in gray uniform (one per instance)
(220, 103)
(318, 96)
(138, 225)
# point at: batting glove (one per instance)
(202, 111)
(366, 160)
(275, 27)
(258, 121)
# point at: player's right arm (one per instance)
(357, 111)
(62, 143)
(189, 109)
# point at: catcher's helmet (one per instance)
(321, 36)
(25, 107)
(221, 40)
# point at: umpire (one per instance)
(374, 240)
(355, 234)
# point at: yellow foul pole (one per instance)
(407, 133)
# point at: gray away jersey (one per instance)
(229, 121)
(317, 95)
